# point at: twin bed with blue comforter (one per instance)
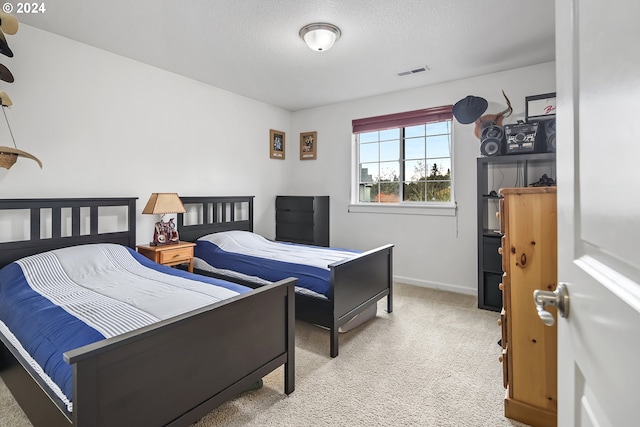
(335, 286)
(94, 334)
(68, 298)
(252, 257)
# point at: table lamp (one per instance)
(165, 233)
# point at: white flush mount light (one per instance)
(320, 36)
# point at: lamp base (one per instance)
(165, 233)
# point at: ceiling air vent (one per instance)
(414, 71)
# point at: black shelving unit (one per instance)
(517, 170)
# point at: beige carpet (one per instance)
(432, 362)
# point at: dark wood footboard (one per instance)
(177, 371)
(174, 372)
(357, 284)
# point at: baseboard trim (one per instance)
(436, 285)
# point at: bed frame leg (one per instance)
(333, 347)
(290, 365)
(289, 378)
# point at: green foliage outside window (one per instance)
(393, 164)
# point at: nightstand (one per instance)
(174, 254)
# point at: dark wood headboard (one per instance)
(35, 243)
(215, 214)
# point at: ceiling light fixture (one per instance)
(320, 36)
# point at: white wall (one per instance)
(104, 125)
(431, 251)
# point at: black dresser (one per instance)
(303, 219)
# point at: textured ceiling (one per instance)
(252, 47)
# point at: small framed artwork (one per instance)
(540, 107)
(276, 144)
(308, 145)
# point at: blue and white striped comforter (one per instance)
(67, 298)
(252, 257)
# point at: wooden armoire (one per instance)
(528, 222)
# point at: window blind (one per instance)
(398, 120)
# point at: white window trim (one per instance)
(406, 208)
(441, 209)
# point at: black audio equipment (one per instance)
(491, 147)
(491, 138)
(520, 138)
(550, 135)
(492, 131)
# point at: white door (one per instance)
(598, 157)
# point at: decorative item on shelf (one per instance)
(492, 119)
(308, 145)
(540, 107)
(320, 36)
(8, 155)
(471, 109)
(165, 233)
(544, 181)
(488, 128)
(276, 144)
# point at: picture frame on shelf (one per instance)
(276, 144)
(308, 145)
(540, 107)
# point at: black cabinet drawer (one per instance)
(294, 217)
(294, 232)
(294, 203)
(492, 292)
(303, 219)
(491, 259)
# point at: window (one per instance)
(405, 157)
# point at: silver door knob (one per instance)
(558, 298)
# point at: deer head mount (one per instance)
(492, 119)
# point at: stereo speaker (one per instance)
(491, 131)
(491, 147)
(491, 140)
(550, 135)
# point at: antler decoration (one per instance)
(8, 155)
(493, 119)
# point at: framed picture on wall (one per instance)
(540, 107)
(308, 145)
(276, 144)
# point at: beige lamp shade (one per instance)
(164, 203)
